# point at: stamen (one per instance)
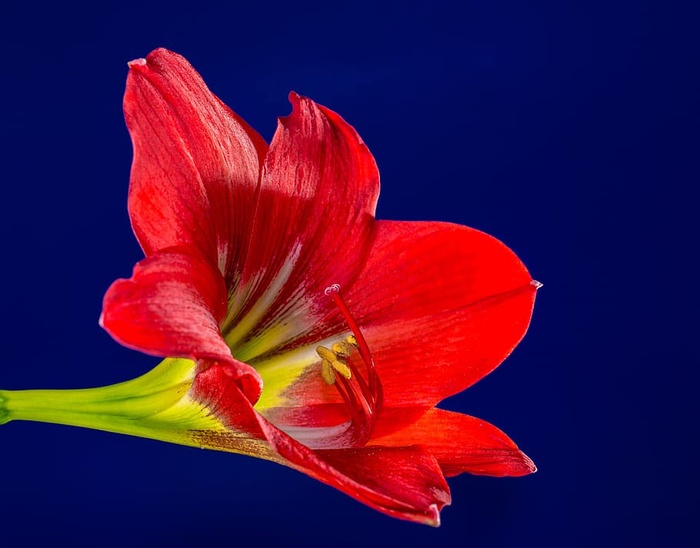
(361, 390)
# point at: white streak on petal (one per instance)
(318, 437)
(223, 257)
(245, 325)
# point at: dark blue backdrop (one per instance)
(570, 132)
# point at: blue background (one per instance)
(567, 129)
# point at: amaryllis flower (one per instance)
(296, 327)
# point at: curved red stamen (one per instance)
(361, 392)
(349, 398)
(361, 424)
(367, 393)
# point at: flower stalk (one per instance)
(154, 405)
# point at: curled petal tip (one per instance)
(141, 62)
(530, 464)
(536, 284)
(525, 467)
(296, 101)
(434, 513)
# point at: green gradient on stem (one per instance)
(155, 405)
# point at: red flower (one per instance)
(308, 332)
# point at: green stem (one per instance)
(155, 405)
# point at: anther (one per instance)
(325, 353)
(342, 349)
(342, 368)
(335, 361)
(327, 372)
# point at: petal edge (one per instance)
(462, 443)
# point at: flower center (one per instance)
(359, 387)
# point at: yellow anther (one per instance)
(352, 340)
(325, 353)
(342, 368)
(334, 360)
(342, 349)
(327, 372)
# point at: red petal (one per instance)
(461, 443)
(313, 220)
(196, 164)
(171, 306)
(441, 306)
(403, 482)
